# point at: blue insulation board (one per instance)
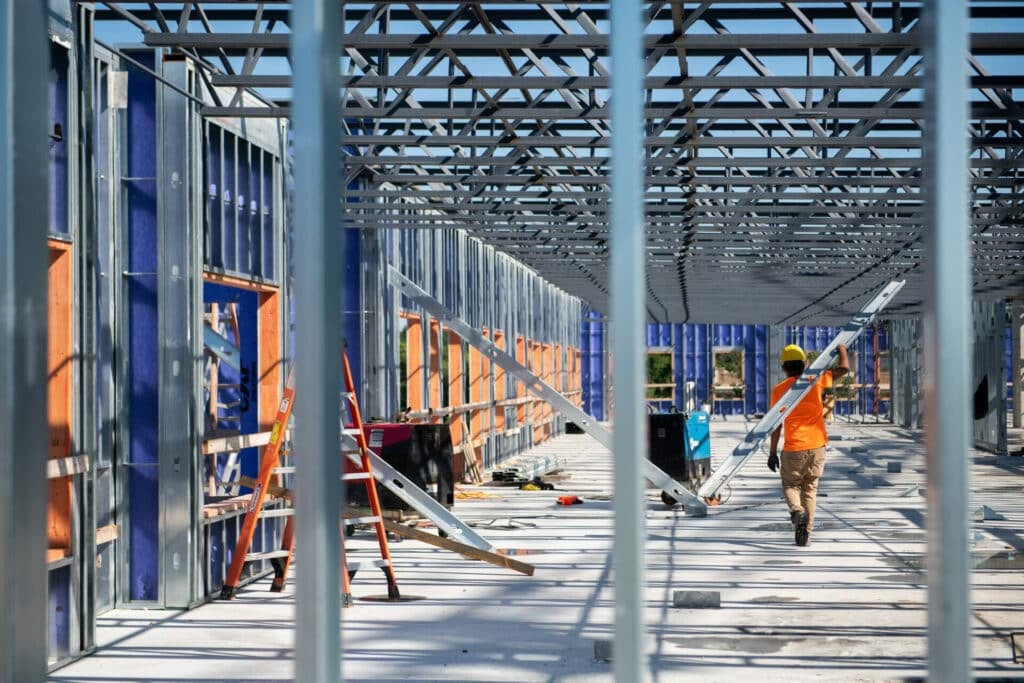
(243, 179)
(1008, 367)
(215, 553)
(228, 197)
(59, 64)
(212, 246)
(351, 320)
(143, 344)
(267, 219)
(59, 617)
(693, 347)
(679, 366)
(59, 579)
(592, 370)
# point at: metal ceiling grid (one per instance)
(783, 138)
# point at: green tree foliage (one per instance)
(659, 371)
(731, 362)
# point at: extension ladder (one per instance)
(270, 467)
(711, 489)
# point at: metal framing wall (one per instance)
(907, 392)
(870, 212)
(989, 373)
(100, 189)
(521, 312)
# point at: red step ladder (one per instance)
(270, 466)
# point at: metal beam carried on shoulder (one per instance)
(800, 388)
(694, 506)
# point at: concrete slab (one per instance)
(849, 607)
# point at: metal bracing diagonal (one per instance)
(158, 15)
(493, 101)
(838, 59)
(420, 500)
(801, 387)
(574, 101)
(787, 97)
(1000, 98)
(252, 55)
(997, 98)
(208, 27)
(694, 506)
(369, 68)
(843, 151)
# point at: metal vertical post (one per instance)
(1017, 360)
(372, 303)
(947, 339)
(86, 390)
(177, 318)
(316, 53)
(24, 209)
(627, 332)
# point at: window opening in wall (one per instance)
(660, 386)
(883, 380)
(728, 376)
(226, 394)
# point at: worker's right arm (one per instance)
(842, 366)
(773, 449)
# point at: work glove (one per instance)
(773, 462)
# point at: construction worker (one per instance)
(803, 451)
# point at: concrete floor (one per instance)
(850, 607)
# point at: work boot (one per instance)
(803, 534)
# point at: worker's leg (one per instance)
(792, 470)
(814, 466)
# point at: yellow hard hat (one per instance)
(793, 352)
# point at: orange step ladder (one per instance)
(263, 486)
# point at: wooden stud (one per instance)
(520, 387)
(59, 387)
(537, 353)
(434, 378)
(270, 358)
(456, 381)
(414, 364)
(476, 393)
(499, 385)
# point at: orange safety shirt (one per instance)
(804, 428)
